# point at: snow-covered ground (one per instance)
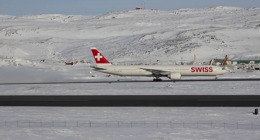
(144, 36)
(213, 123)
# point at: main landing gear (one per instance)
(156, 79)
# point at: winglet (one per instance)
(99, 57)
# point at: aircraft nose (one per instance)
(223, 70)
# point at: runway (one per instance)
(131, 81)
(132, 100)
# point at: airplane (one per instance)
(173, 72)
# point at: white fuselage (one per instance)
(146, 70)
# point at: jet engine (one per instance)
(174, 76)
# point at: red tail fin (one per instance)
(99, 57)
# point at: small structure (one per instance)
(138, 8)
(69, 63)
(256, 111)
(224, 62)
(227, 61)
(246, 61)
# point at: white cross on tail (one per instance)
(98, 57)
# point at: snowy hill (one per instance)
(138, 36)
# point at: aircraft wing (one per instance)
(157, 72)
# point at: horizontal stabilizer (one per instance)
(97, 68)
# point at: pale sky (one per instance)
(99, 7)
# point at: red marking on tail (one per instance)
(99, 57)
